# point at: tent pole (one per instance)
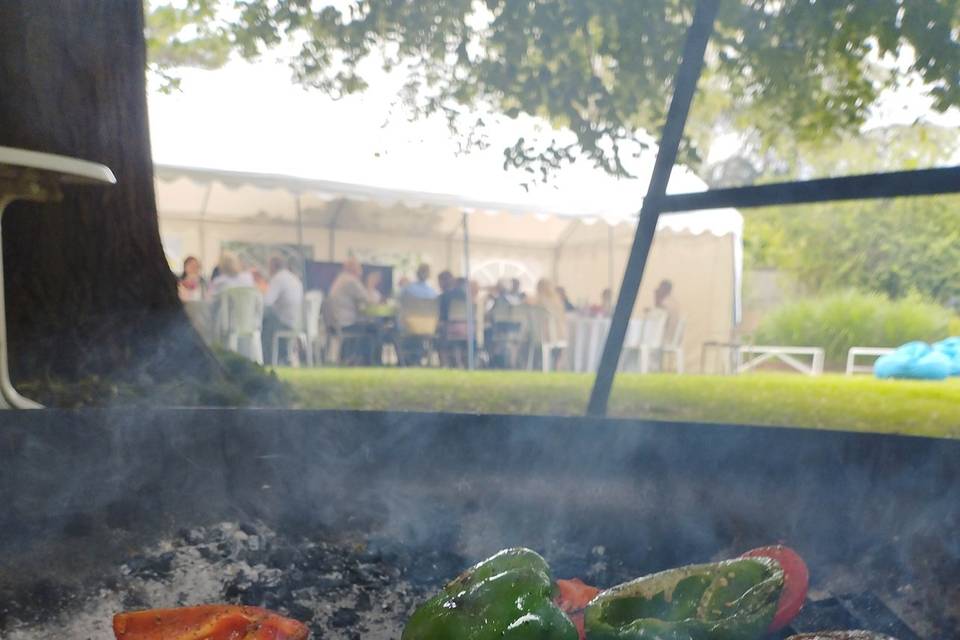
(685, 85)
(610, 257)
(468, 294)
(202, 226)
(332, 229)
(303, 256)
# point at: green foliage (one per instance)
(897, 247)
(892, 246)
(603, 69)
(185, 35)
(243, 384)
(843, 320)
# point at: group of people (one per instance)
(353, 295)
(282, 290)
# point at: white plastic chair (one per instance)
(649, 341)
(198, 312)
(674, 347)
(545, 331)
(315, 329)
(240, 321)
(302, 335)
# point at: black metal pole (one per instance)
(685, 85)
(893, 184)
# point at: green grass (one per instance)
(829, 402)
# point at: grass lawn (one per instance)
(859, 403)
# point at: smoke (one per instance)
(606, 500)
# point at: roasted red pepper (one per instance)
(572, 597)
(208, 622)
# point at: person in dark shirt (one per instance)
(567, 305)
(445, 282)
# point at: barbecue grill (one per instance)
(348, 519)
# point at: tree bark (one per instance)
(89, 292)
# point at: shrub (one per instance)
(839, 321)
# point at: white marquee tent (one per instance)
(577, 238)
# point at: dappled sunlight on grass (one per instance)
(857, 403)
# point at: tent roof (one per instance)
(233, 195)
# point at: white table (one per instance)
(787, 355)
(586, 336)
(854, 352)
(30, 175)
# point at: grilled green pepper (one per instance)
(730, 600)
(506, 596)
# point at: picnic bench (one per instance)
(856, 352)
(788, 355)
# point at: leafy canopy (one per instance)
(807, 68)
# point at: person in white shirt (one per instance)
(283, 301)
(231, 275)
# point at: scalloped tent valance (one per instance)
(188, 192)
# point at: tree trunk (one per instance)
(89, 292)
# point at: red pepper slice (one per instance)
(207, 622)
(572, 597)
(796, 580)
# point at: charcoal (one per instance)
(352, 585)
(868, 607)
(299, 612)
(193, 536)
(435, 566)
(151, 566)
(344, 617)
(282, 557)
(210, 553)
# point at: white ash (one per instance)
(339, 589)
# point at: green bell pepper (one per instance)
(509, 596)
(729, 600)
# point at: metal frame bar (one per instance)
(685, 86)
(919, 182)
(894, 184)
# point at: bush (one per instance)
(839, 321)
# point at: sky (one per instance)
(252, 117)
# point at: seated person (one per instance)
(231, 275)
(421, 288)
(283, 301)
(191, 285)
(567, 305)
(663, 300)
(514, 294)
(343, 310)
(449, 291)
(372, 282)
(348, 297)
(552, 303)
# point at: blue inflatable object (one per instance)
(950, 348)
(916, 360)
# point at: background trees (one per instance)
(792, 71)
(896, 247)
